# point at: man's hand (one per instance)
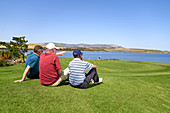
(19, 80)
(59, 72)
(94, 66)
(61, 53)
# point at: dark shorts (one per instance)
(91, 75)
(35, 76)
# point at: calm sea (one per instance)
(147, 57)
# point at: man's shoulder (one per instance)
(75, 61)
(71, 62)
(54, 56)
(48, 55)
(31, 59)
(32, 56)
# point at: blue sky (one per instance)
(128, 23)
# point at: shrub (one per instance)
(4, 56)
(3, 62)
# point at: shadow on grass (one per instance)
(65, 82)
(93, 85)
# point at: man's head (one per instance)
(51, 48)
(38, 50)
(77, 53)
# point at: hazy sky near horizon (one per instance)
(128, 23)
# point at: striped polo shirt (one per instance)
(77, 69)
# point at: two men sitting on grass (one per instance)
(32, 63)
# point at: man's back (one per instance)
(77, 69)
(33, 61)
(49, 64)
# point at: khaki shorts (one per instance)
(63, 76)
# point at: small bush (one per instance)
(4, 56)
(3, 62)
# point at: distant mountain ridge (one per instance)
(86, 45)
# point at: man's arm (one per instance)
(61, 53)
(24, 74)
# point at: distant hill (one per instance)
(86, 45)
(95, 47)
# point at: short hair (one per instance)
(75, 56)
(38, 48)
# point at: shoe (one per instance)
(92, 81)
(100, 80)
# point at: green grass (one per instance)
(128, 87)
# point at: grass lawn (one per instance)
(128, 87)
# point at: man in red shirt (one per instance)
(50, 68)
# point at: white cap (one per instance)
(51, 46)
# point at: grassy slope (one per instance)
(127, 87)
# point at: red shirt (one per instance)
(49, 64)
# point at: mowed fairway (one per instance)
(128, 87)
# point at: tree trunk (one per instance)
(23, 56)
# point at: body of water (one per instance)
(147, 57)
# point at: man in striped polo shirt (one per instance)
(77, 69)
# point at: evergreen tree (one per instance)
(17, 47)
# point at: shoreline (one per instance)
(131, 50)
